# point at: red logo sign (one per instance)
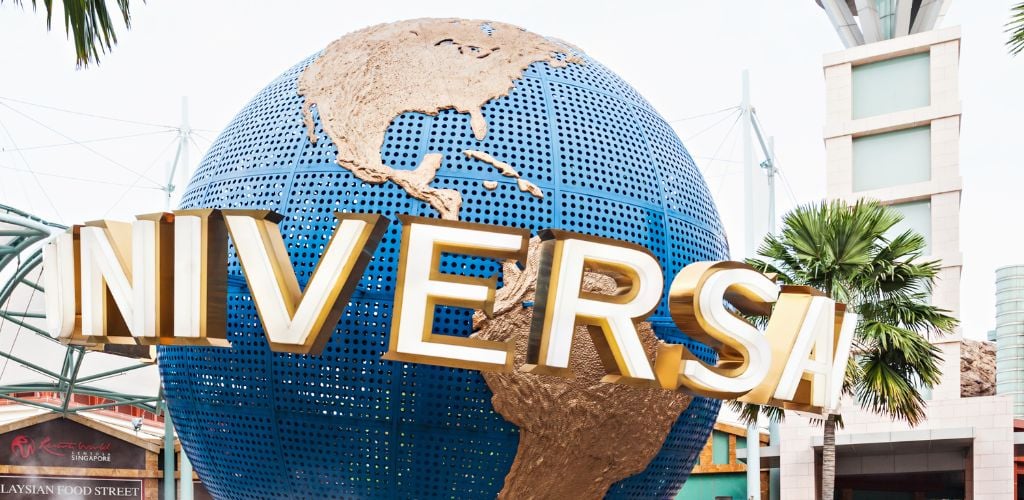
(64, 443)
(24, 447)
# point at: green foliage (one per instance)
(88, 23)
(1015, 28)
(844, 251)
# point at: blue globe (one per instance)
(345, 423)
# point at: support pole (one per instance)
(168, 188)
(186, 476)
(749, 171)
(73, 379)
(753, 462)
(771, 185)
(752, 207)
(177, 171)
(755, 183)
(764, 191)
(774, 474)
(186, 137)
(168, 456)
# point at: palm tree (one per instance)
(850, 253)
(88, 22)
(1016, 29)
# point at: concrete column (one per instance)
(753, 462)
(168, 456)
(185, 485)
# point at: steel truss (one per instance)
(22, 237)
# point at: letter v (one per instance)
(301, 321)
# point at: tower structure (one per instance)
(1010, 335)
(891, 134)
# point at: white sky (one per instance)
(685, 57)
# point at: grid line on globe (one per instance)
(347, 424)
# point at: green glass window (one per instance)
(892, 159)
(892, 85)
(719, 448)
(917, 215)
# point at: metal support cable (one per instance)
(201, 136)
(139, 176)
(736, 111)
(199, 148)
(732, 148)
(85, 141)
(90, 115)
(87, 148)
(728, 133)
(71, 177)
(16, 334)
(702, 115)
(59, 379)
(46, 195)
(789, 189)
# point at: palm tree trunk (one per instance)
(828, 460)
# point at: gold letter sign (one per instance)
(562, 304)
(295, 320)
(798, 363)
(421, 286)
(162, 279)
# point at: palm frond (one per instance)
(89, 24)
(748, 413)
(1015, 28)
(912, 313)
(847, 251)
(888, 393)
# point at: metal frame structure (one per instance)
(22, 237)
(882, 19)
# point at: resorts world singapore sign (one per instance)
(162, 280)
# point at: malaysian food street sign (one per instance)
(85, 488)
(162, 280)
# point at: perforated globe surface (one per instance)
(259, 424)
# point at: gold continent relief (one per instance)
(578, 436)
(364, 80)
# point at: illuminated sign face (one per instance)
(162, 279)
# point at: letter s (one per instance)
(697, 302)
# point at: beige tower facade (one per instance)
(892, 134)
